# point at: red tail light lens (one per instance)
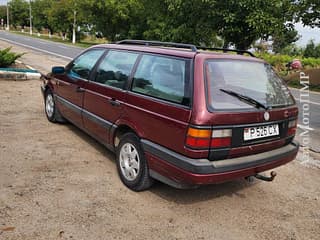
(206, 138)
(292, 127)
(220, 142)
(198, 142)
(198, 138)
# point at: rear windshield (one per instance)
(252, 79)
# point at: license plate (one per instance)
(261, 132)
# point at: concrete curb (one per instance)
(20, 76)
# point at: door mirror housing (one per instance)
(58, 70)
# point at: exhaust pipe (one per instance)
(273, 174)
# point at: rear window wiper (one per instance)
(246, 99)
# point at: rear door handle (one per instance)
(114, 102)
(80, 89)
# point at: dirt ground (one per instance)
(58, 183)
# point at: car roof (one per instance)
(151, 49)
(179, 52)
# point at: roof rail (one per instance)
(193, 48)
(158, 43)
(227, 50)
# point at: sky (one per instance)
(306, 33)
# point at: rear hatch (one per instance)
(249, 109)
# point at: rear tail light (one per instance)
(221, 138)
(198, 138)
(292, 127)
(206, 138)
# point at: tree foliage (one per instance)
(241, 22)
(19, 13)
(202, 22)
(308, 11)
(3, 13)
(7, 57)
(40, 13)
(284, 38)
(312, 50)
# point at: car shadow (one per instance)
(170, 194)
(203, 193)
(90, 140)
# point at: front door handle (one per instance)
(114, 102)
(80, 89)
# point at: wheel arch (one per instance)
(122, 128)
(47, 87)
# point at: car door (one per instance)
(71, 85)
(159, 100)
(105, 93)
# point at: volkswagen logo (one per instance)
(266, 116)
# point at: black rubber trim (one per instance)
(92, 117)
(204, 166)
(85, 113)
(96, 119)
(68, 104)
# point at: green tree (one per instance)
(241, 22)
(62, 13)
(184, 21)
(115, 19)
(292, 50)
(3, 13)
(19, 13)
(40, 10)
(283, 38)
(308, 11)
(201, 22)
(312, 50)
(237, 22)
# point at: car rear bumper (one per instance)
(180, 171)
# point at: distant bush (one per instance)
(279, 61)
(7, 57)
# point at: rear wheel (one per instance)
(51, 110)
(131, 163)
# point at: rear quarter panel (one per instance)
(157, 121)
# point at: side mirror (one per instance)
(58, 70)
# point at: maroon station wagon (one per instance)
(177, 113)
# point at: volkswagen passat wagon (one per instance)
(177, 113)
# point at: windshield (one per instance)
(254, 80)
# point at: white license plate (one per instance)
(261, 132)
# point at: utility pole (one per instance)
(8, 24)
(30, 10)
(74, 27)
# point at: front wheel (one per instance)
(131, 163)
(51, 110)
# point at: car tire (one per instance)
(132, 165)
(50, 108)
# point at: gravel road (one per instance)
(58, 183)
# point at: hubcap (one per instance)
(49, 105)
(129, 161)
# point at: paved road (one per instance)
(313, 118)
(69, 52)
(57, 49)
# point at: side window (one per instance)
(115, 68)
(164, 78)
(82, 66)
